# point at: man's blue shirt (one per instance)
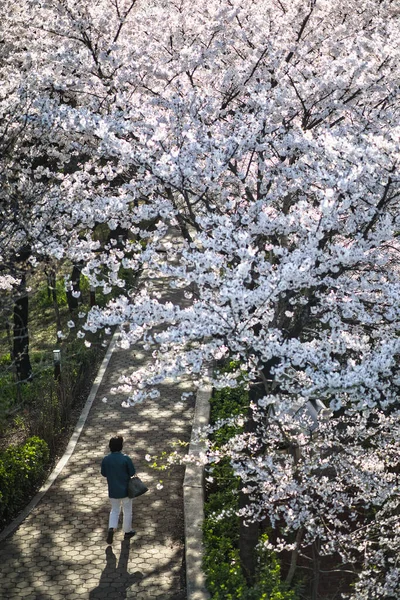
(118, 468)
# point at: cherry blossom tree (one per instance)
(38, 163)
(330, 493)
(264, 135)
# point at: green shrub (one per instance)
(224, 404)
(45, 403)
(5, 360)
(229, 402)
(268, 577)
(39, 357)
(7, 392)
(13, 393)
(225, 579)
(21, 470)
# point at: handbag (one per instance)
(136, 487)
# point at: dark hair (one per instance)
(116, 443)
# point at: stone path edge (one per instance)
(193, 502)
(71, 444)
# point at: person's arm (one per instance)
(103, 468)
(131, 467)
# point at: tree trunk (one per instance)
(21, 336)
(316, 569)
(92, 296)
(73, 301)
(248, 540)
(294, 556)
(183, 228)
(52, 291)
(249, 533)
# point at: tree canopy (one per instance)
(265, 133)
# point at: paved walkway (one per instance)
(59, 552)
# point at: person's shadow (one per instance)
(115, 579)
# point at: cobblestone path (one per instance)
(59, 552)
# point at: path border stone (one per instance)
(193, 501)
(71, 444)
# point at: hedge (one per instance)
(22, 469)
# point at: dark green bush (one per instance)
(22, 469)
(5, 360)
(225, 579)
(225, 404)
(13, 395)
(229, 402)
(50, 410)
(7, 393)
(44, 405)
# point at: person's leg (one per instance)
(114, 513)
(113, 518)
(127, 512)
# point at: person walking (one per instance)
(118, 468)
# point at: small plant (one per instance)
(20, 421)
(22, 469)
